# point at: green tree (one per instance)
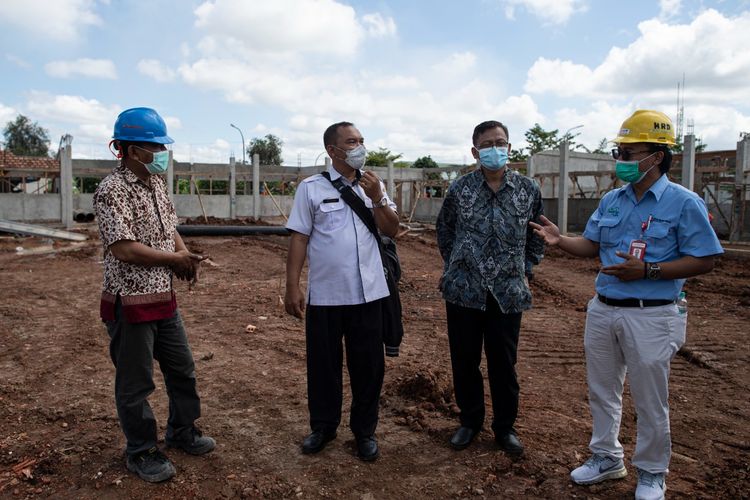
(517, 155)
(540, 139)
(602, 147)
(381, 157)
(24, 138)
(268, 148)
(425, 162)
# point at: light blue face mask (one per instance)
(159, 164)
(493, 158)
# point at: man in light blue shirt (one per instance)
(346, 290)
(650, 235)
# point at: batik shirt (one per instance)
(486, 241)
(130, 209)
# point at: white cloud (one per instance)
(60, 20)
(669, 8)
(281, 26)
(215, 152)
(6, 114)
(21, 63)
(156, 70)
(549, 11)
(92, 68)
(378, 26)
(457, 63)
(717, 68)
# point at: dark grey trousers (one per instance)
(133, 347)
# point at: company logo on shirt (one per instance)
(614, 211)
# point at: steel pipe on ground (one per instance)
(205, 230)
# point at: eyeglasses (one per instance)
(498, 144)
(625, 154)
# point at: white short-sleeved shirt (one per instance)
(343, 256)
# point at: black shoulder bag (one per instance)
(393, 329)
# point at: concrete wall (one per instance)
(29, 207)
(188, 205)
(579, 211)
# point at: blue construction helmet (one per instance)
(141, 125)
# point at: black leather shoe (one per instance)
(510, 443)
(316, 441)
(367, 448)
(463, 437)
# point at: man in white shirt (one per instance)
(346, 290)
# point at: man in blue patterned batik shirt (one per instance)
(489, 251)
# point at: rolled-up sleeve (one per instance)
(695, 235)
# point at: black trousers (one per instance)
(468, 329)
(361, 328)
(133, 347)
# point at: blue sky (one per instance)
(415, 76)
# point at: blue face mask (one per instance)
(493, 158)
(159, 164)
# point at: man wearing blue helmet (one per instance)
(142, 252)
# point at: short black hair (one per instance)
(123, 146)
(484, 127)
(666, 162)
(331, 133)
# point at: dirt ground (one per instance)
(60, 438)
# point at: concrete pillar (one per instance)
(66, 186)
(232, 188)
(562, 189)
(390, 185)
(743, 165)
(170, 176)
(256, 186)
(530, 166)
(328, 163)
(688, 162)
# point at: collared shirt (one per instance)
(343, 256)
(130, 209)
(672, 221)
(486, 242)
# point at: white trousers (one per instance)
(641, 342)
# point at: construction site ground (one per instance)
(60, 437)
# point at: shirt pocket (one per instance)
(610, 231)
(331, 216)
(659, 244)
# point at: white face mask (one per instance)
(356, 157)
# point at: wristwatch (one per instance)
(383, 202)
(653, 271)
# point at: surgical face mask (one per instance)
(356, 157)
(629, 171)
(493, 158)
(159, 164)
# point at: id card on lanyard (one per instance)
(638, 247)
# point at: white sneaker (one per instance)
(599, 468)
(650, 486)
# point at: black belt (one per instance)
(634, 302)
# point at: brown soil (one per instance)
(59, 434)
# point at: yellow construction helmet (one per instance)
(646, 125)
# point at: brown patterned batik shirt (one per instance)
(130, 209)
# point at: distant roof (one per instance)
(10, 161)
